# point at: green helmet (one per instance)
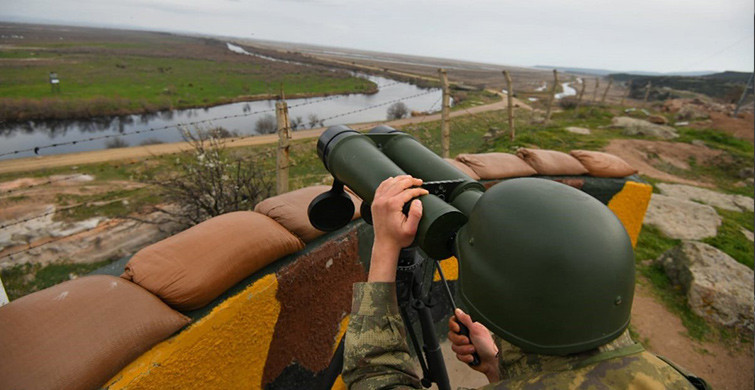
(546, 267)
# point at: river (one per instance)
(163, 127)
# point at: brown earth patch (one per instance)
(663, 333)
(315, 295)
(742, 126)
(645, 156)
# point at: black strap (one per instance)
(696, 381)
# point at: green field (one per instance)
(104, 72)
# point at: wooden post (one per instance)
(284, 136)
(552, 97)
(579, 98)
(510, 96)
(647, 93)
(595, 92)
(605, 93)
(626, 95)
(445, 131)
(742, 98)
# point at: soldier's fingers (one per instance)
(400, 183)
(465, 358)
(467, 349)
(453, 326)
(458, 339)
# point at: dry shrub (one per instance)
(208, 181)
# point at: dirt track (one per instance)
(35, 163)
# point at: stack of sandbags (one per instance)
(191, 268)
(78, 334)
(290, 210)
(528, 162)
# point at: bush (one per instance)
(266, 125)
(397, 110)
(315, 121)
(206, 182)
(116, 142)
(150, 141)
(568, 103)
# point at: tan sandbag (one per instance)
(290, 210)
(551, 162)
(191, 268)
(80, 333)
(489, 166)
(464, 168)
(601, 164)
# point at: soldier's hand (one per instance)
(393, 229)
(482, 343)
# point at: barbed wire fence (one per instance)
(55, 180)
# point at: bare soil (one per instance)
(741, 127)
(663, 333)
(646, 155)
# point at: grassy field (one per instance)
(108, 72)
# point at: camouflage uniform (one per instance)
(377, 356)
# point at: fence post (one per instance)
(595, 92)
(605, 93)
(284, 136)
(629, 91)
(647, 93)
(742, 98)
(552, 97)
(510, 96)
(445, 131)
(579, 98)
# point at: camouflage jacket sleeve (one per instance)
(376, 355)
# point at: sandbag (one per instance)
(290, 210)
(191, 268)
(489, 166)
(464, 168)
(601, 164)
(78, 334)
(551, 162)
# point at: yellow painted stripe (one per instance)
(630, 205)
(450, 269)
(235, 336)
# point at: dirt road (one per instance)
(44, 162)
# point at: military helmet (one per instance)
(546, 267)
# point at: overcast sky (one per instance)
(649, 35)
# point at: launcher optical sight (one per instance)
(363, 161)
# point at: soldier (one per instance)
(562, 334)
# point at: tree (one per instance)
(397, 110)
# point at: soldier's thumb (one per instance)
(464, 318)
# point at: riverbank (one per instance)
(138, 152)
(112, 72)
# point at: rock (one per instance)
(578, 130)
(658, 119)
(717, 286)
(746, 172)
(682, 219)
(634, 126)
(690, 112)
(715, 199)
(748, 234)
(699, 142)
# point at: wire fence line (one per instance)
(51, 181)
(36, 149)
